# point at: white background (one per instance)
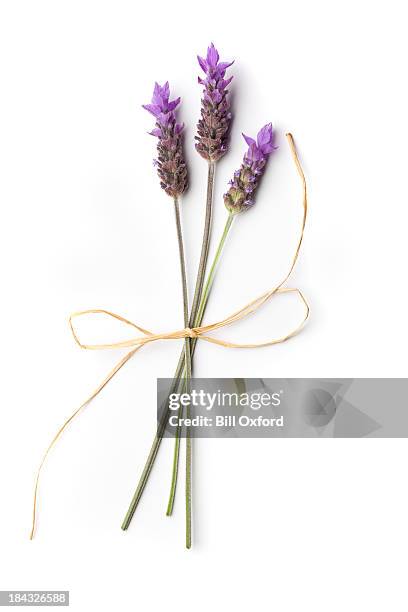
(289, 525)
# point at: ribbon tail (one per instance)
(103, 384)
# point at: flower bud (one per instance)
(214, 124)
(170, 164)
(243, 185)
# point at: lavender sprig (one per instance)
(171, 167)
(172, 172)
(240, 196)
(213, 128)
(214, 124)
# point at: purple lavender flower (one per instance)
(240, 195)
(171, 167)
(214, 124)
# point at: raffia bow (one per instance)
(200, 332)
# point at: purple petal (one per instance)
(166, 90)
(215, 96)
(254, 154)
(222, 66)
(212, 56)
(156, 98)
(172, 105)
(202, 63)
(160, 94)
(224, 83)
(268, 148)
(250, 141)
(165, 118)
(156, 132)
(264, 138)
(154, 109)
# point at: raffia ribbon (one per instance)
(200, 332)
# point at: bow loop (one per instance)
(133, 342)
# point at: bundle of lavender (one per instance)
(211, 143)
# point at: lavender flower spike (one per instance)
(171, 167)
(214, 124)
(240, 195)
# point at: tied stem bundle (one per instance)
(203, 332)
(211, 143)
(239, 198)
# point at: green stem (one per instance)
(202, 266)
(196, 302)
(180, 366)
(188, 480)
(176, 456)
(198, 321)
(184, 288)
(187, 387)
(209, 284)
(211, 274)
